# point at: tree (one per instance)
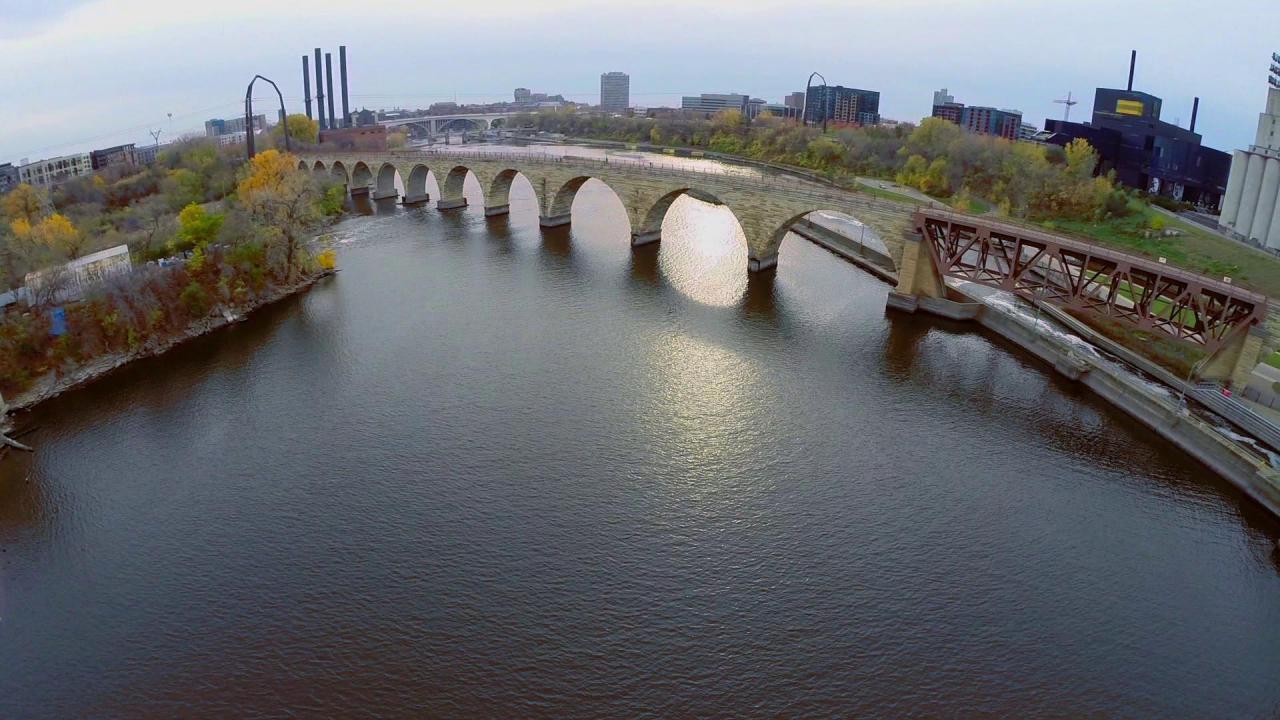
(183, 187)
(1081, 159)
(24, 202)
(196, 226)
(58, 234)
(282, 201)
(302, 129)
(727, 121)
(397, 140)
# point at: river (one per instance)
(495, 471)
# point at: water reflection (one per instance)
(704, 252)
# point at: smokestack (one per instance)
(1195, 108)
(1133, 60)
(320, 92)
(306, 84)
(328, 72)
(342, 74)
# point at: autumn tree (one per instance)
(282, 202)
(197, 226)
(59, 235)
(302, 129)
(24, 203)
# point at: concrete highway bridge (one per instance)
(924, 247)
(432, 124)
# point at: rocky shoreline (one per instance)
(53, 384)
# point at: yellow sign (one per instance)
(1129, 107)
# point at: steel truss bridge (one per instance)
(1090, 279)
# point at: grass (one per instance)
(1273, 360)
(1175, 356)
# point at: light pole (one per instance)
(248, 115)
(804, 111)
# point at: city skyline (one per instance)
(76, 101)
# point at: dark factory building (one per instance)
(1146, 152)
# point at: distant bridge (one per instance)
(437, 123)
(925, 247)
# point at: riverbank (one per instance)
(54, 383)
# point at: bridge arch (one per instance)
(648, 228)
(452, 187)
(338, 170)
(386, 187)
(318, 167)
(499, 195)
(302, 165)
(462, 123)
(863, 242)
(415, 184)
(361, 177)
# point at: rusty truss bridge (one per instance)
(1090, 279)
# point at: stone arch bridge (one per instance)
(766, 207)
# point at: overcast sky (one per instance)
(81, 74)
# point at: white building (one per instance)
(70, 281)
(1251, 207)
(55, 170)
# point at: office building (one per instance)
(1027, 131)
(523, 96)
(979, 119)
(615, 92)
(1251, 205)
(218, 126)
(708, 104)
(120, 155)
(8, 177)
(55, 170)
(146, 154)
(1146, 152)
(839, 104)
(795, 101)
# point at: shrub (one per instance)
(195, 299)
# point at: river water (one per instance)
(494, 471)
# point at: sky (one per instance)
(85, 74)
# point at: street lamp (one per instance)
(804, 111)
(248, 115)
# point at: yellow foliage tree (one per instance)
(282, 202)
(23, 202)
(302, 129)
(60, 235)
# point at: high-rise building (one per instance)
(615, 91)
(523, 95)
(794, 101)
(978, 119)
(1251, 206)
(836, 103)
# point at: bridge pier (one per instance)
(451, 204)
(380, 195)
(415, 199)
(760, 264)
(550, 221)
(917, 278)
(1235, 361)
(495, 210)
(359, 191)
(645, 238)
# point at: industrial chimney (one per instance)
(1195, 108)
(328, 72)
(320, 92)
(306, 85)
(1133, 60)
(342, 74)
